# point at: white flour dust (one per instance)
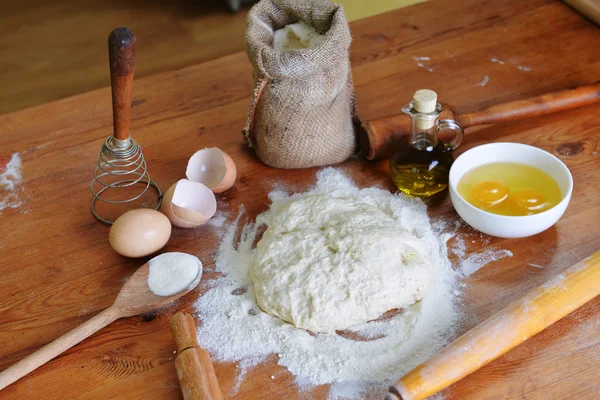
(484, 81)
(420, 62)
(472, 262)
(10, 180)
(363, 358)
(218, 219)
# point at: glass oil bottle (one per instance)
(421, 166)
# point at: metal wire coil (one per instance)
(121, 158)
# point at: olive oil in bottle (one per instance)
(421, 171)
(421, 166)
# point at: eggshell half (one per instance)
(138, 233)
(213, 168)
(188, 204)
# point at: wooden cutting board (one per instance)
(58, 270)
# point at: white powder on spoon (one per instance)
(172, 273)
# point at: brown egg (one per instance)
(138, 233)
(188, 204)
(213, 168)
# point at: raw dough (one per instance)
(327, 263)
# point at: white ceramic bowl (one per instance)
(501, 225)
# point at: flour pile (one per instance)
(365, 357)
(10, 179)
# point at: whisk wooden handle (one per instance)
(195, 371)
(121, 54)
(506, 329)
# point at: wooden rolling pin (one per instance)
(195, 371)
(506, 329)
(589, 8)
(378, 137)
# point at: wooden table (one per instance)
(58, 270)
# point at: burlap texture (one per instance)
(304, 111)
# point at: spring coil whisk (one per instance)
(121, 165)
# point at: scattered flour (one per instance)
(218, 219)
(421, 64)
(172, 273)
(523, 68)
(472, 262)
(449, 55)
(476, 261)
(484, 81)
(10, 179)
(363, 358)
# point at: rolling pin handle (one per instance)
(195, 371)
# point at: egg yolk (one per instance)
(489, 193)
(529, 199)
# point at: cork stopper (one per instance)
(425, 101)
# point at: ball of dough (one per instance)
(327, 263)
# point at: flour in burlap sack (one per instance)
(303, 113)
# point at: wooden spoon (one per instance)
(134, 298)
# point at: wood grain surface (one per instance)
(65, 52)
(58, 269)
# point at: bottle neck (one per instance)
(424, 126)
(424, 131)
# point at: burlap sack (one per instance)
(303, 113)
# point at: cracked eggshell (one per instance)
(188, 204)
(213, 168)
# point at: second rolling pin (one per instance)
(378, 137)
(195, 371)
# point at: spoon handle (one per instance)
(57, 347)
